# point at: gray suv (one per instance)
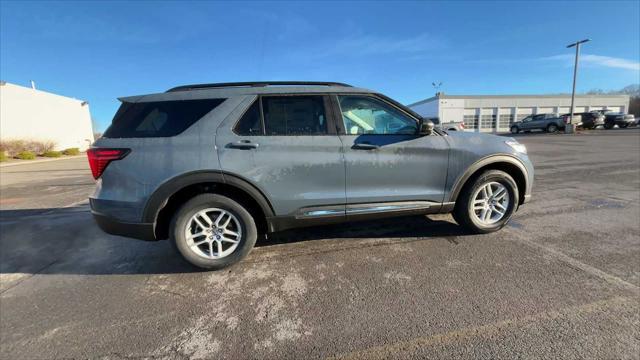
(215, 166)
(547, 122)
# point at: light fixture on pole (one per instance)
(436, 86)
(570, 127)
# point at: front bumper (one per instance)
(140, 231)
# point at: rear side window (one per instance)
(250, 123)
(158, 119)
(294, 115)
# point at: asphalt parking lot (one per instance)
(561, 281)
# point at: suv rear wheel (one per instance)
(488, 203)
(515, 130)
(552, 128)
(213, 231)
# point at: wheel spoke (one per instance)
(199, 242)
(498, 212)
(500, 193)
(219, 218)
(199, 223)
(226, 239)
(487, 215)
(219, 243)
(483, 214)
(206, 218)
(229, 232)
(502, 207)
(211, 250)
(489, 190)
(193, 236)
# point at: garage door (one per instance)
(505, 119)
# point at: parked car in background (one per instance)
(212, 166)
(615, 118)
(546, 122)
(588, 120)
(449, 126)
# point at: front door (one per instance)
(537, 122)
(385, 158)
(287, 146)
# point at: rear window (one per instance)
(158, 119)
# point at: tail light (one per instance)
(99, 158)
(565, 119)
(462, 126)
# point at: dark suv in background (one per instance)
(212, 166)
(587, 120)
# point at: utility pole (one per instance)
(570, 128)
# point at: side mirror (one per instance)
(425, 127)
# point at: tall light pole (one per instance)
(569, 128)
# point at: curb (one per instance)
(26, 162)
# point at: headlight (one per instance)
(516, 146)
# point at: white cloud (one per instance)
(598, 60)
(376, 45)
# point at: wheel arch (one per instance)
(169, 196)
(507, 163)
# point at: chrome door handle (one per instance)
(365, 146)
(243, 144)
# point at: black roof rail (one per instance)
(255, 84)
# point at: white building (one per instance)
(30, 114)
(494, 113)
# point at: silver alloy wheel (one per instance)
(490, 203)
(552, 128)
(213, 233)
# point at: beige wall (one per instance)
(28, 114)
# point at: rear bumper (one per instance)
(140, 231)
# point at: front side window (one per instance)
(366, 115)
(294, 115)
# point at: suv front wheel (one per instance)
(515, 130)
(488, 203)
(213, 231)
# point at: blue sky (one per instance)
(98, 51)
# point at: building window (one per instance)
(488, 122)
(505, 120)
(471, 121)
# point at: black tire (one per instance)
(551, 128)
(623, 126)
(183, 216)
(462, 212)
(608, 126)
(515, 130)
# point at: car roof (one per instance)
(225, 90)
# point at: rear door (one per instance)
(288, 147)
(386, 161)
